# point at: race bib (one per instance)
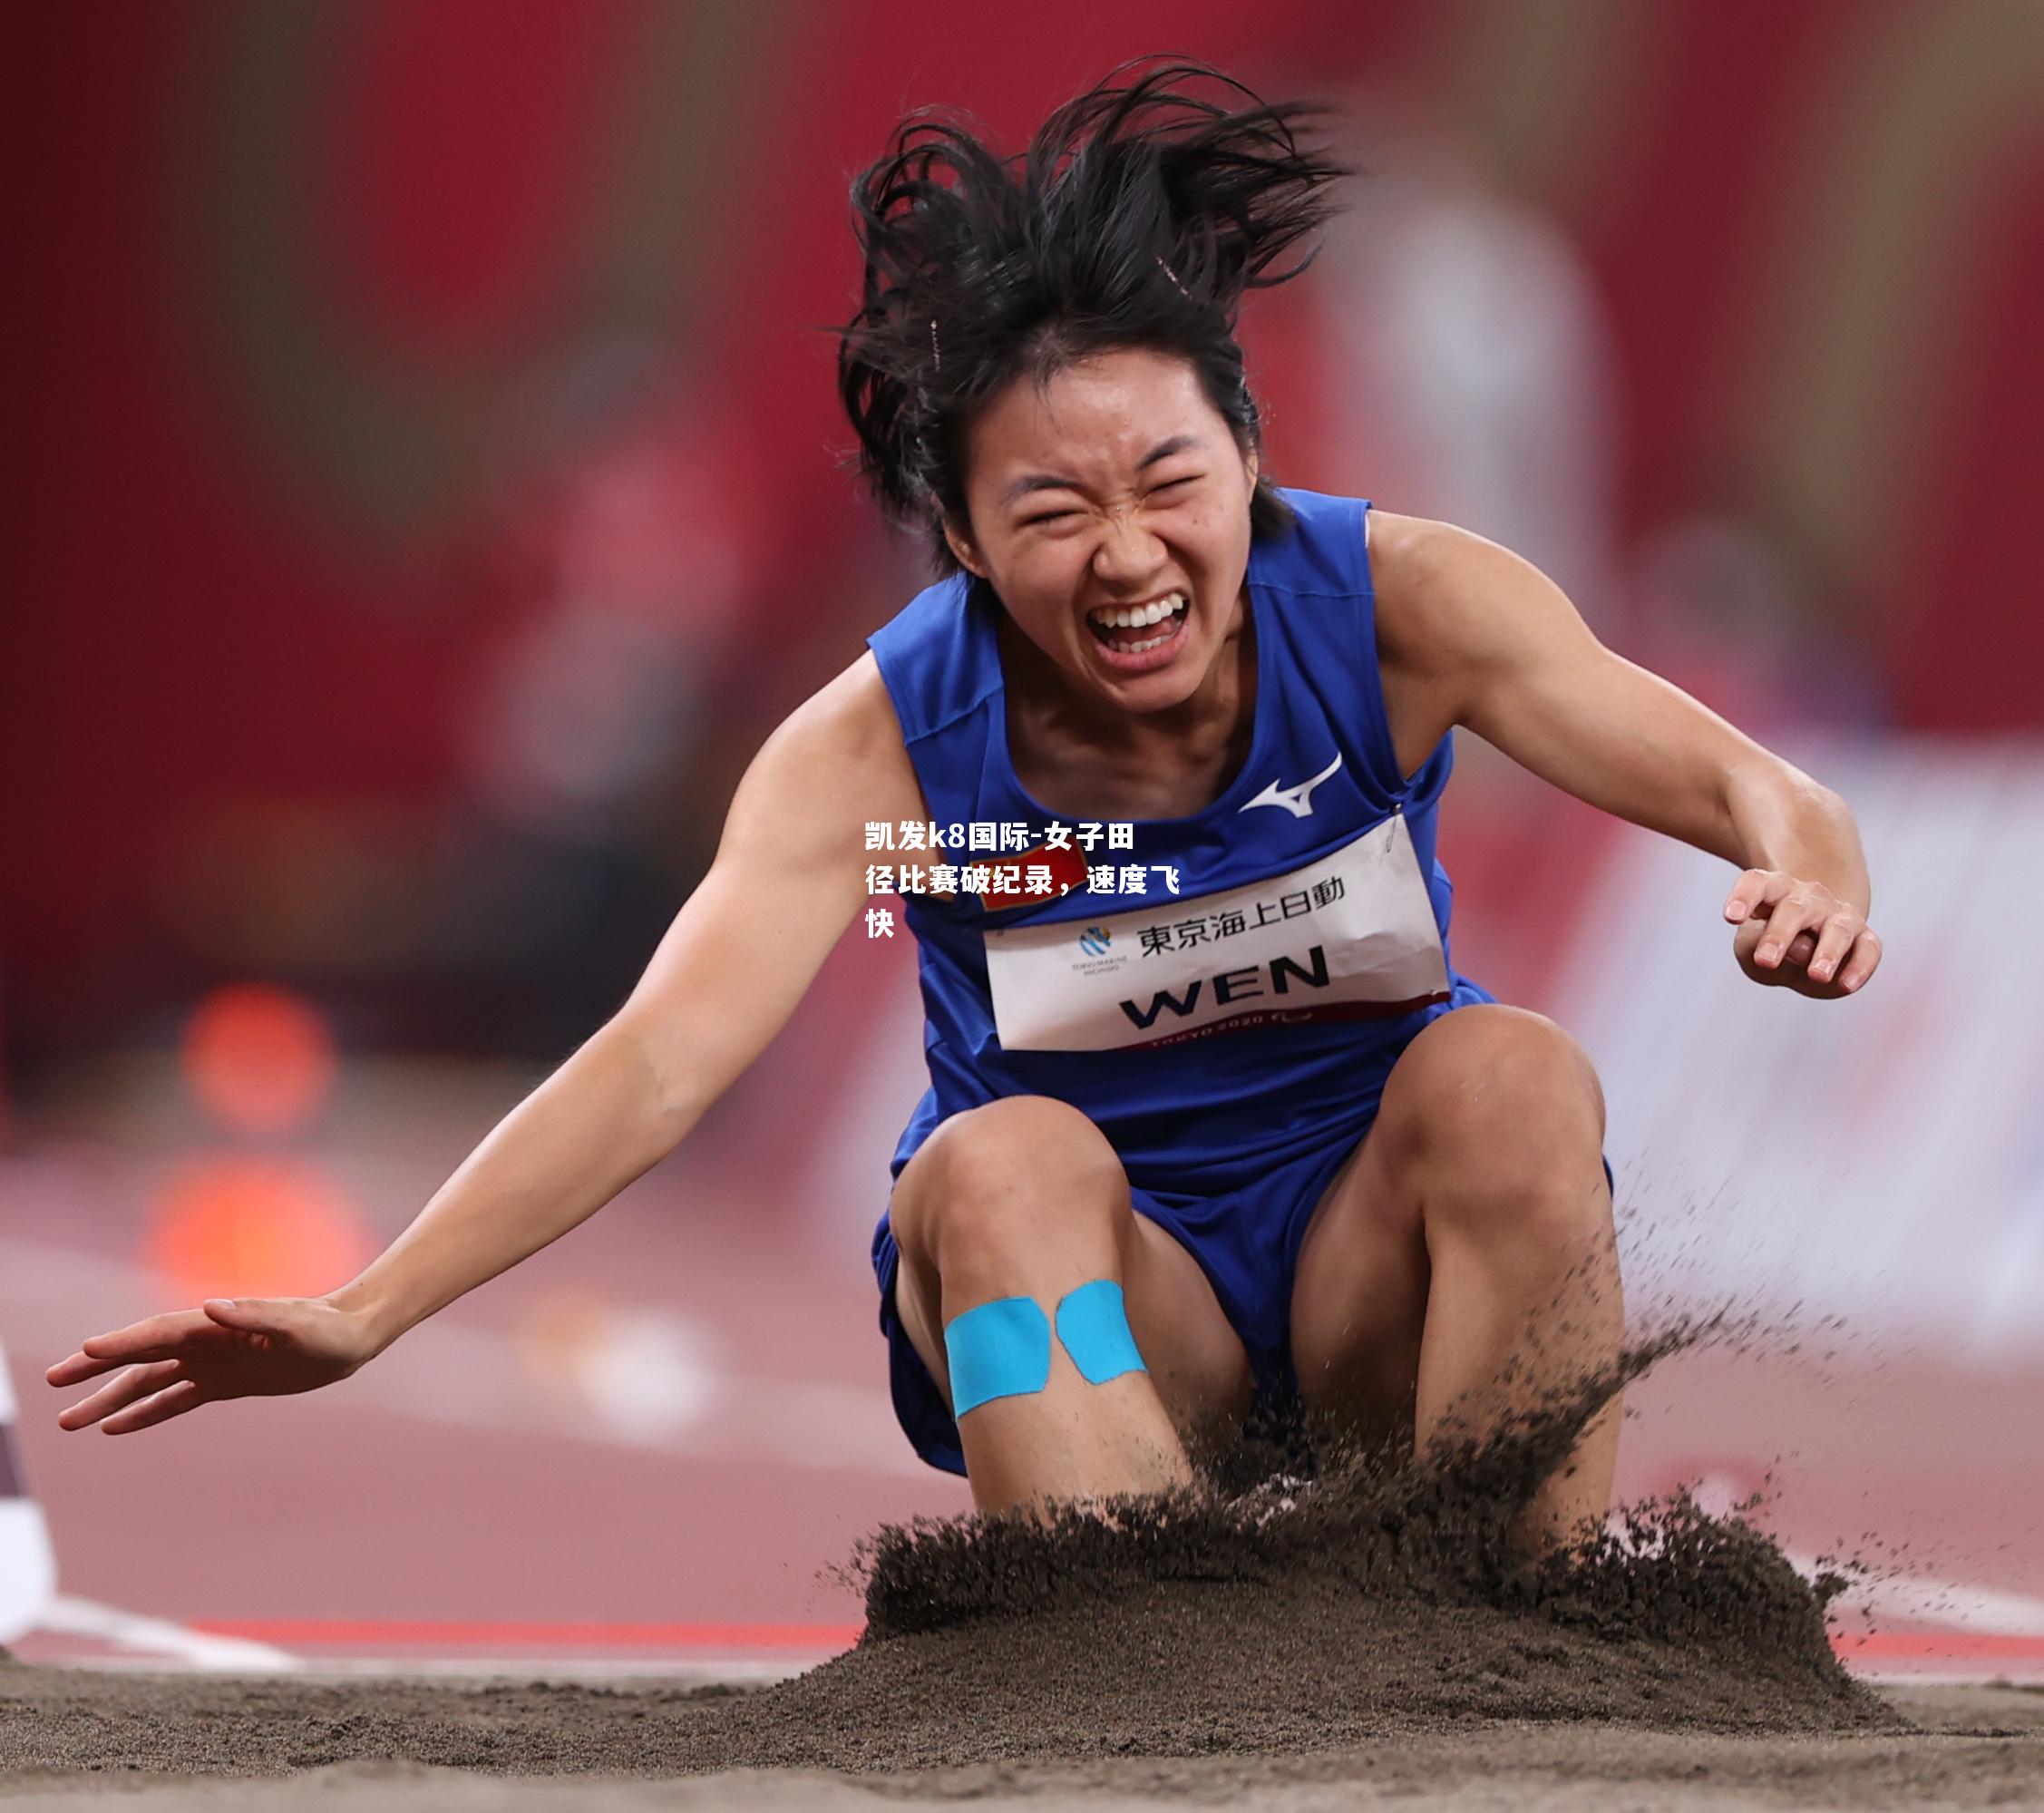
(1350, 936)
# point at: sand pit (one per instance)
(72, 1741)
(1372, 1633)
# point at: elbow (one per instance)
(653, 1076)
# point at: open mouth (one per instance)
(1136, 628)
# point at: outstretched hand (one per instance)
(249, 1347)
(1797, 934)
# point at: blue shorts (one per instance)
(1245, 1240)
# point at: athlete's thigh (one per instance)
(1194, 1356)
(1358, 1303)
(1202, 1370)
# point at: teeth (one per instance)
(1141, 616)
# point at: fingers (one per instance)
(154, 1337)
(1839, 933)
(158, 1338)
(136, 1381)
(174, 1400)
(1781, 917)
(1800, 935)
(1746, 941)
(1826, 934)
(1865, 959)
(1749, 890)
(108, 1353)
(1789, 915)
(1798, 925)
(75, 1368)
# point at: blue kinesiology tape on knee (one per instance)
(1092, 1323)
(999, 1350)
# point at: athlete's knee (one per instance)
(1560, 1209)
(1492, 1084)
(1499, 1114)
(1026, 1173)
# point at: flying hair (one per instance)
(1140, 216)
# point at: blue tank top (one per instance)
(1214, 1029)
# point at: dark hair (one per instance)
(1138, 216)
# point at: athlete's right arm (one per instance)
(789, 876)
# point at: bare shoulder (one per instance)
(848, 727)
(837, 760)
(1438, 588)
(850, 717)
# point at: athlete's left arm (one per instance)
(1484, 638)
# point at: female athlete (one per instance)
(1213, 1119)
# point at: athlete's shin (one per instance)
(1017, 1238)
(1526, 1311)
(1054, 1402)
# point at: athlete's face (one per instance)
(1116, 486)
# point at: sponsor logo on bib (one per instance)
(1348, 936)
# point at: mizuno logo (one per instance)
(1298, 801)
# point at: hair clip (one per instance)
(936, 352)
(1174, 277)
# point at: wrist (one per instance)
(379, 1320)
(1786, 822)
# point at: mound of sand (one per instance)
(1366, 1605)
